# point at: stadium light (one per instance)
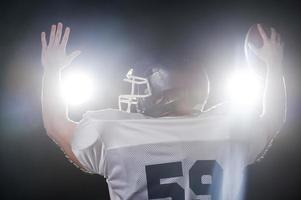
(244, 89)
(77, 87)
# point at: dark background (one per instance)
(113, 35)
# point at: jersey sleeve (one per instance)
(248, 129)
(254, 134)
(87, 145)
(88, 142)
(260, 140)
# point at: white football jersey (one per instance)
(178, 158)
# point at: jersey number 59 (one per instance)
(205, 178)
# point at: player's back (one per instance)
(192, 157)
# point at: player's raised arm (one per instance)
(54, 58)
(274, 98)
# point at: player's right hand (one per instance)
(54, 55)
(272, 50)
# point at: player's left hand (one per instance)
(272, 50)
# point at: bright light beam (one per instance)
(77, 88)
(244, 89)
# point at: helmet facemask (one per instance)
(138, 84)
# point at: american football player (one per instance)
(161, 143)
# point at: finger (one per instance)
(282, 44)
(65, 37)
(72, 56)
(58, 34)
(52, 35)
(273, 34)
(43, 40)
(253, 48)
(278, 38)
(262, 32)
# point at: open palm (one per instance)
(54, 55)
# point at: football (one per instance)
(253, 36)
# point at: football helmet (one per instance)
(163, 91)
